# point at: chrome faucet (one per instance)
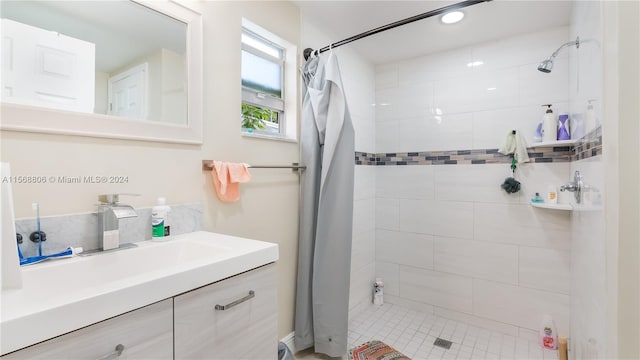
(110, 211)
(576, 186)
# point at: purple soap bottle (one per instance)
(563, 127)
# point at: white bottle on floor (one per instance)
(548, 333)
(378, 292)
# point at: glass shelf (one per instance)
(552, 206)
(553, 143)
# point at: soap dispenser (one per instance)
(549, 125)
(160, 229)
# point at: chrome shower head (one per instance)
(547, 65)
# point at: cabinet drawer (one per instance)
(146, 333)
(246, 329)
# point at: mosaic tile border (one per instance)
(461, 157)
(590, 145)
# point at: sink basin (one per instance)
(59, 296)
(68, 274)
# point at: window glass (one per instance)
(262, 85)
(261, 45)
(261, 74)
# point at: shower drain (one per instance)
(445, 344)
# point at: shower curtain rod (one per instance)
(308, 51)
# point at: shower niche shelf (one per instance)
(553, 143)
(552, 206)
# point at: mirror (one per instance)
(102, 68)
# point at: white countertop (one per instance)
(59, 296)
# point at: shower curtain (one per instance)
(326, 212)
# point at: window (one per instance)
(262, 80)
(268, 66)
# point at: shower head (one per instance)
(547, 65)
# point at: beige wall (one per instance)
(102, 93)
(629, 181)
(622, 175)
(166, 97)
(268, 208)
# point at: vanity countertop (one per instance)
(59, 296)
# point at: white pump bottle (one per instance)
(549, 126)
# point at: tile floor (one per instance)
(413, 333)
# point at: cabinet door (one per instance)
(145, 333)
(245, 329)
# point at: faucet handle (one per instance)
(112, 198)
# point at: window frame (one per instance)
(259, 98)
(287, 105)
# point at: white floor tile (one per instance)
(413, 333)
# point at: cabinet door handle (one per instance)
(114, 354)
(252, 294)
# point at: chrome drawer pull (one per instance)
(115, 354)
(252, 294)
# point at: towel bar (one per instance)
(208, 165)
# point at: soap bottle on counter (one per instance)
(549, 125)
(160, 229)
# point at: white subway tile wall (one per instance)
(588, 262)
(448, 239)
(478, 259)
(363, 240)
(436, 288)
(358, 77)
(417, 182)
(391, 246)
(445, 218)
(440, 103)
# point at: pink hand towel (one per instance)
(226, 177)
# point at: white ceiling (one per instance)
(483, 22)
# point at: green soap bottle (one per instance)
(160, 229)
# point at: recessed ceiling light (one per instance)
(475, 63)
(452, 17)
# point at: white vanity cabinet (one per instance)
(232, 319)
(145, 333)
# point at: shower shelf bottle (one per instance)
(549, 125)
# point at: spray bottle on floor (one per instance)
(548, 333)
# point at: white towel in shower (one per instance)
(515, 144)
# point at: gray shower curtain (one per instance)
(326, 212)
